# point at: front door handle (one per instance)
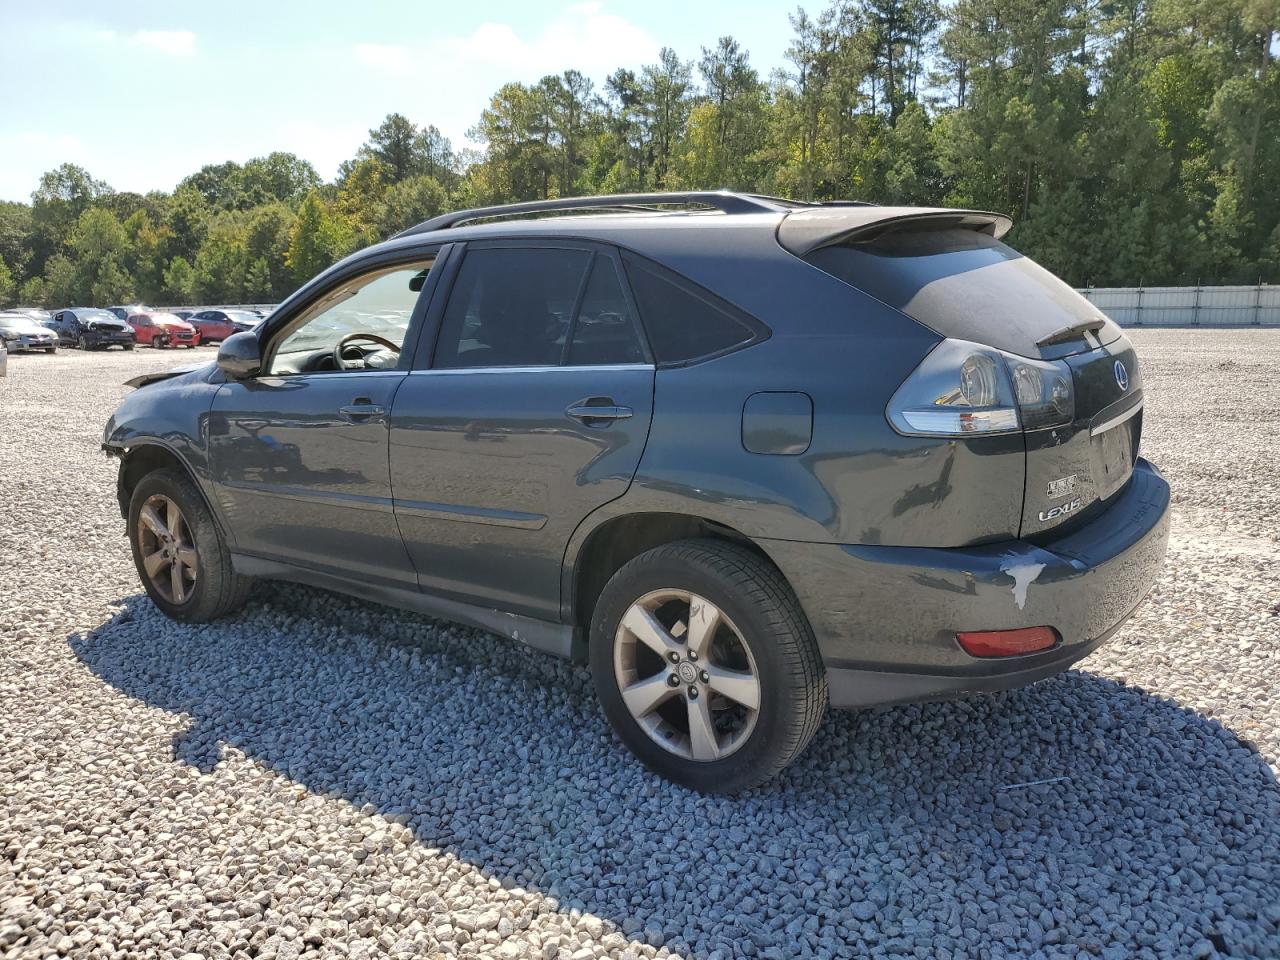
(362, 411)
(595, 410)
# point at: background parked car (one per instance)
(163, 330)
(37, 314)
(125, 312)
(216, 325)
(19, 332)
(91, 329)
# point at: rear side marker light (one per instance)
(1007, 643)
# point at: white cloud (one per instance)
(174, 43)
(582, 37)
(460, 73)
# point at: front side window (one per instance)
(360, 325)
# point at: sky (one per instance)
(141, 94)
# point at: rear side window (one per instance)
(684, 322)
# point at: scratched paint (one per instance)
(1023, 574)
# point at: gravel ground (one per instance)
(319, 777)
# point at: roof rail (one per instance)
(721, 200)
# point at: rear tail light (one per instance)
(1007, 643)
(964, 388)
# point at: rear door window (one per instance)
(511, 307)
(604, 330)
(683, 321)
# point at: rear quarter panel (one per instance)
(858, 481)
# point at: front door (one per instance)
(533, 412)
(298, 454)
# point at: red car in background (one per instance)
(216, 325)
(163, 330)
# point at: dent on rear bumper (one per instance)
(886, 617)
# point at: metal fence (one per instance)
(1257, 306)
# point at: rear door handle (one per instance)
(362, 411)
(598, 409)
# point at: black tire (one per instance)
(83, 344)
(754, 596)
(217, 589)
(128, 346)
(50, 349)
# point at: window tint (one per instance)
(604, 330)
(962, 284)
(511, 308)
(683, 323)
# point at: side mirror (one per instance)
(240, 355)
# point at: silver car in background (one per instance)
(19, 332)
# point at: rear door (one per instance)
(531, 410)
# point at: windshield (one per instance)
(243, 316)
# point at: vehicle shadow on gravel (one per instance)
(900, 830)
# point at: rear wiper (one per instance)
(1073, 332)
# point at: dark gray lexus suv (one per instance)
(746, 456)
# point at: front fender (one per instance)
(172, 416)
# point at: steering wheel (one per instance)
(341, 363)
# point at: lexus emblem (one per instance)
(1122, 376)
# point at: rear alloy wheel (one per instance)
(178, 550)
(83, 343)
(706, 666)
(686, 676)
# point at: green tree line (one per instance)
(1132, 141)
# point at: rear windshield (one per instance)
(962, 284)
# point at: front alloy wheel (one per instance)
(168, 551)
(179, 551)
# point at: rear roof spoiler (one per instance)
(804, 231)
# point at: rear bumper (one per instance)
(886, 617)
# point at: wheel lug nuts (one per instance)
(673, 681)
(673, 657)
(706, 677)
(693, 693)
(692, 655)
